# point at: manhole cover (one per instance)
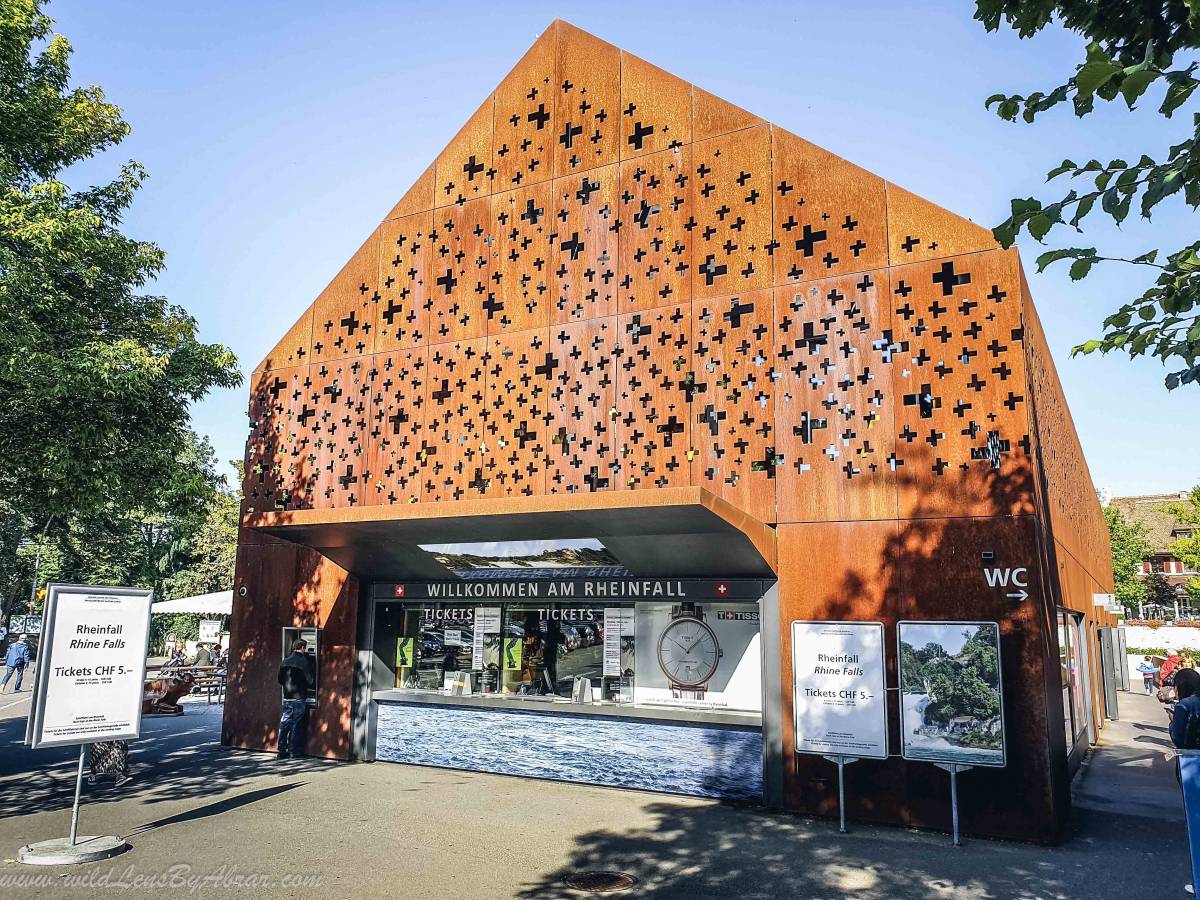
(601, 882)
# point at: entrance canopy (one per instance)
(673, 532)
(215, 604)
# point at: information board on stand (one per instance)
(840, 699)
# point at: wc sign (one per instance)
(1013, 580)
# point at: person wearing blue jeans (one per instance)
(296, 678)
(15, 661)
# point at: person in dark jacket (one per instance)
(296, 678)
(1185, 718)
(203, 656)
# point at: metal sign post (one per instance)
(841, 764)
(90, 677)
(954, 769)
(78, 791)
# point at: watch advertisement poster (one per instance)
(951, 695)
(698, 654)
(838, 688)
(91, 667)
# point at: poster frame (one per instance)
(962, 763)
(37, 711)
(883, 696)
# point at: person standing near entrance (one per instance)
(296, 678)
(15, 661)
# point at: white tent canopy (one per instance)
(218, 604)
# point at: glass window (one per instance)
(1078, 677)
(546, 646)
(397, 627)
(1065, 680)
(699, 654)
(419, 644)
(444, 644)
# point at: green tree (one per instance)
(185, 627)
(184, 544)
(1130, 545)
(96, 376)
(964, 685)
(1135, 49)
(1187, 512)
(145, 545)
(22, 550)
(1159, 590)
(209, 552)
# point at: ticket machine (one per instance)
(312, 638)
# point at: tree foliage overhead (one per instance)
(1130, 545)
(96, 376)
(1136, 52)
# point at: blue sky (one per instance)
(278, 134)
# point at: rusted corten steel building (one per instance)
(617, 309)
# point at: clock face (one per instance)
(688, 652)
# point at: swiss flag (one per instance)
(722, 588)
(399, 590)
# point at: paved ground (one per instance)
(199, 818)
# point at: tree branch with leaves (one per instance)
(1133, 48)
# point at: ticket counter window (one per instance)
(423, 643)
(701, 654)
(546, 647)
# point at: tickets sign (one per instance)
(840, 698)
(91, 666)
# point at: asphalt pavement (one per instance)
(204, 821)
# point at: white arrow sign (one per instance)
(1017, 577)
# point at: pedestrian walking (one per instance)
(296, 678)
(1148, 670)
(15, 661)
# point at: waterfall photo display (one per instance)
(951, 707)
